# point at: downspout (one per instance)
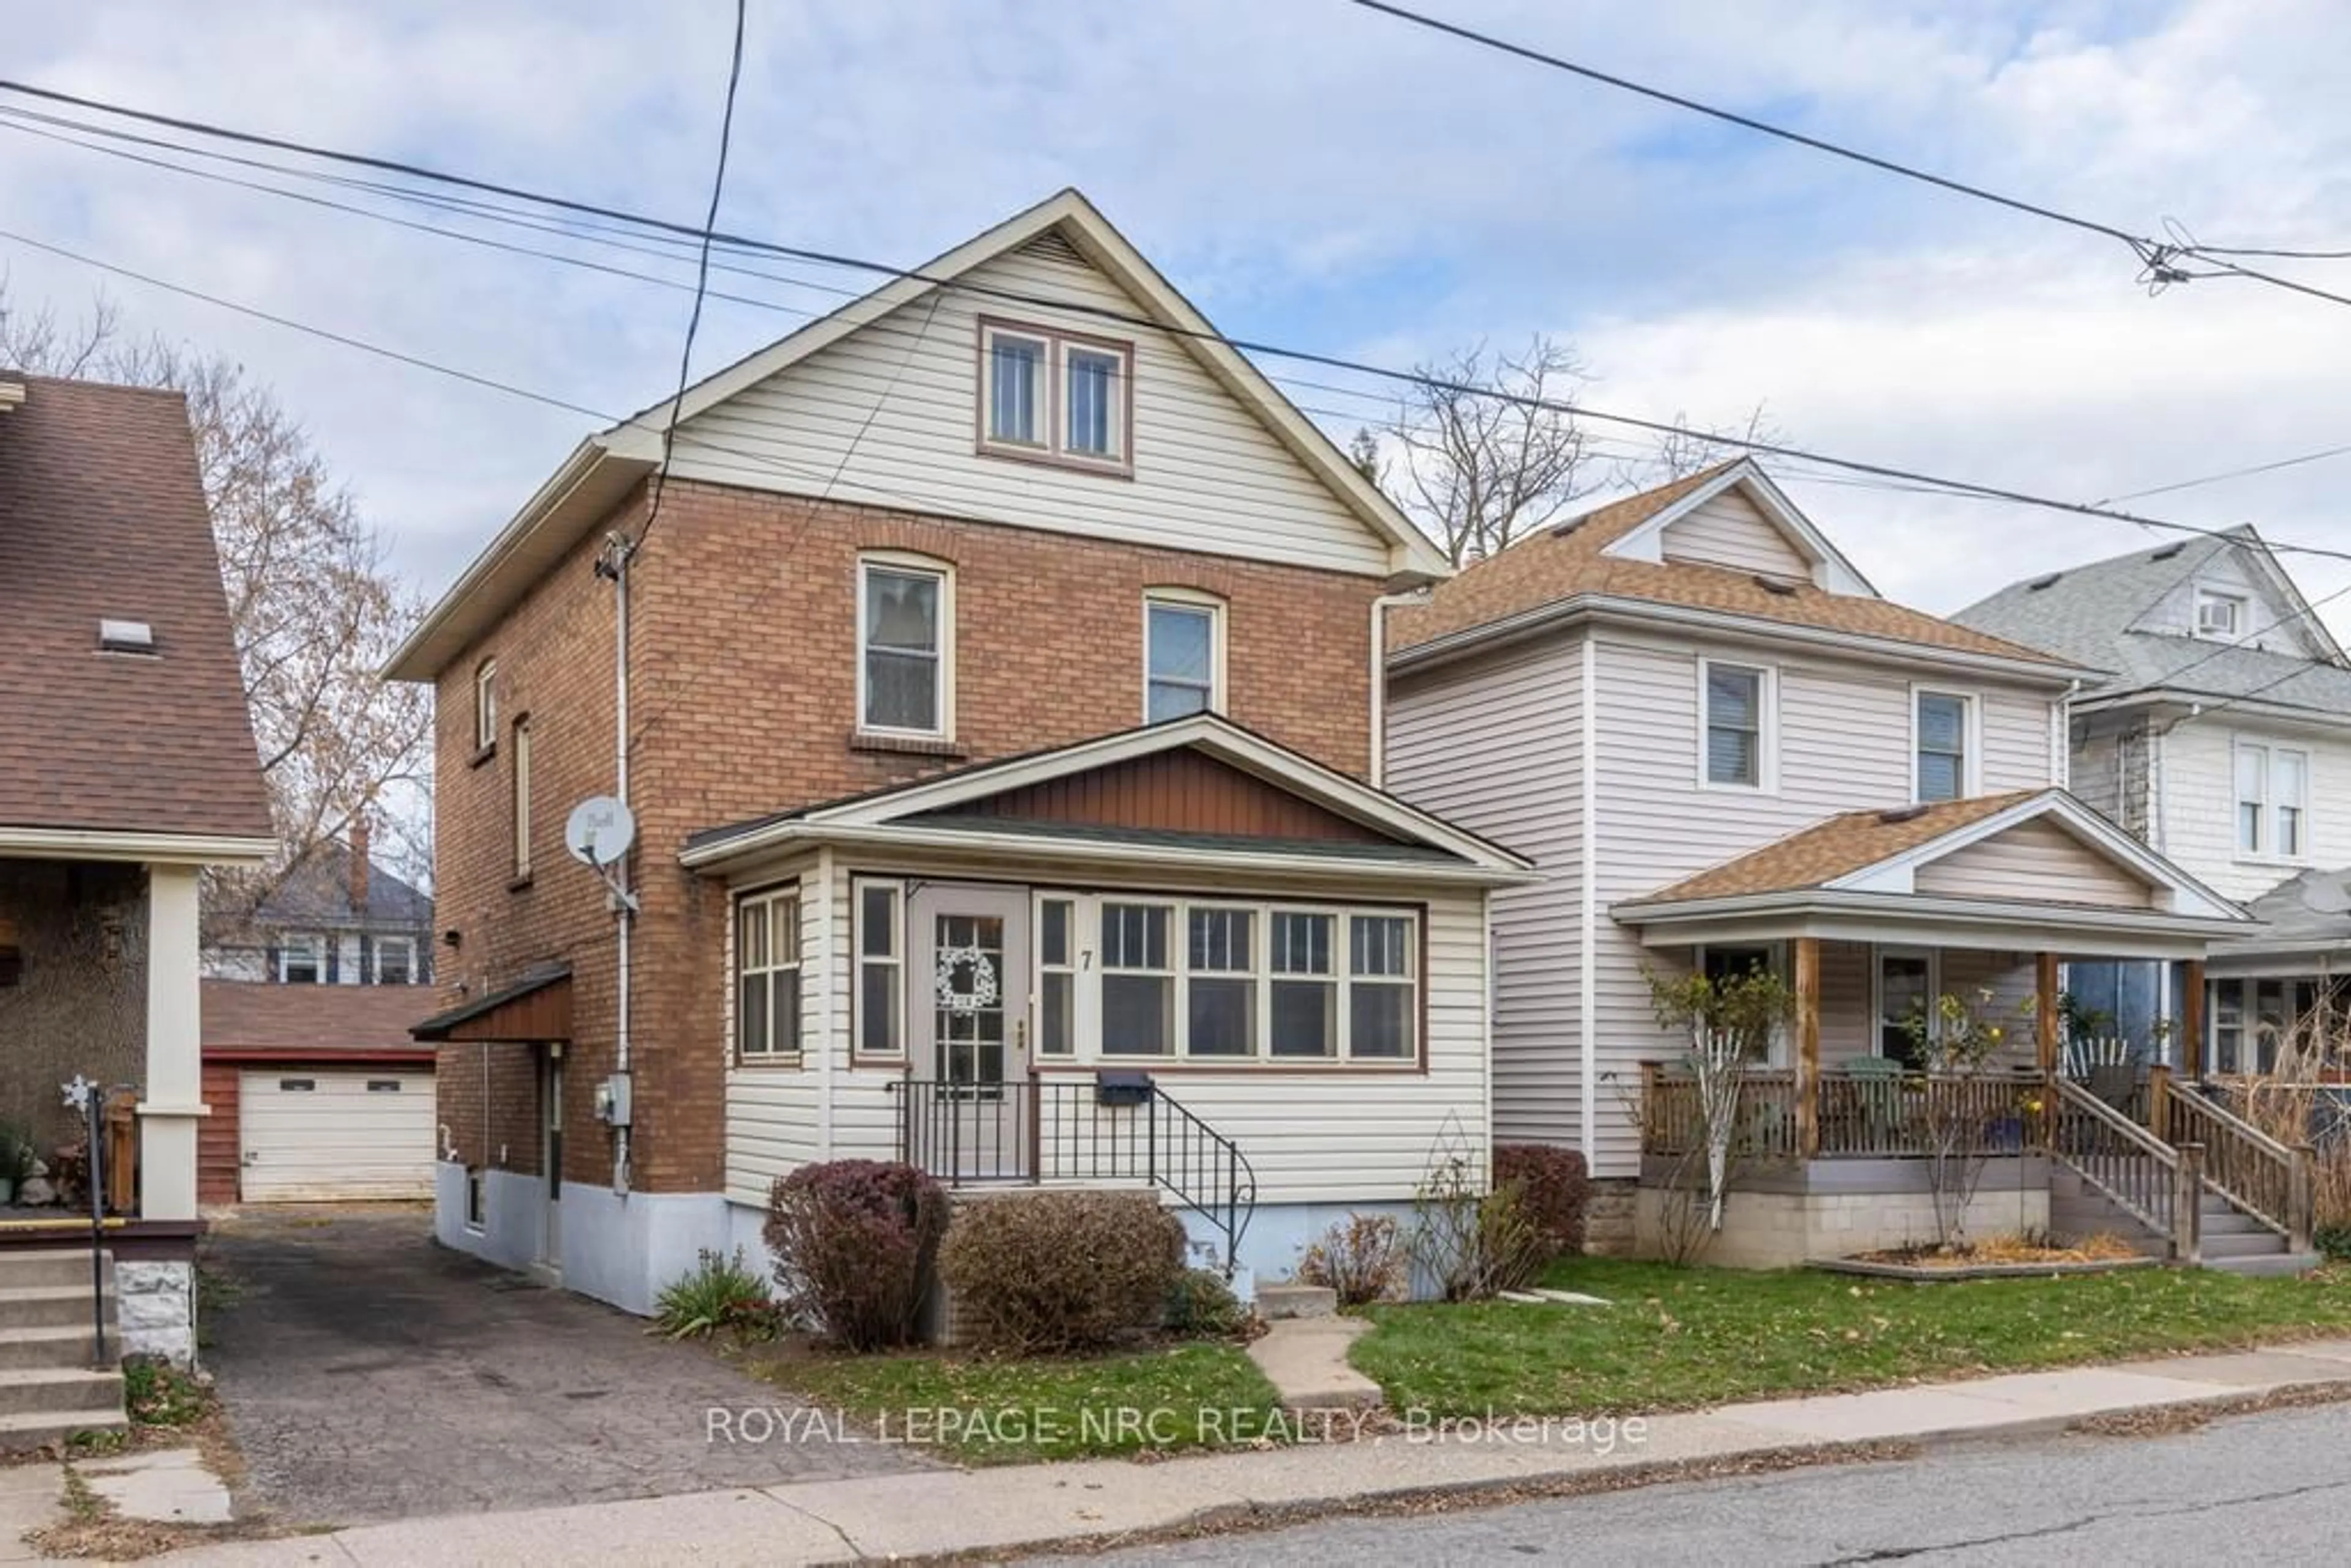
(1380, 608)
(1587, 982)
(619, 550)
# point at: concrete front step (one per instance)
(33, 1267)
(60, 1390)
(35, 1429)
(54, 1345)
(2257, 1244)
(1292, 1299)
(50, 1306)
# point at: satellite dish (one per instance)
(600, 830)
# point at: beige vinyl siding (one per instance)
(1844, 737)
(774, 1118)
(1494, 748)
(1728, 531)
(888, 416)
(2016, 738)
(1324, 1138)
(2034, 860)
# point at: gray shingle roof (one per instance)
(2307, 911)
(2089, 614)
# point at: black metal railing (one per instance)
(1108, 1128)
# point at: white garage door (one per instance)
(320, 1136)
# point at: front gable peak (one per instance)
(1739, 519)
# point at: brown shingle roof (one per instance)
(1564, 562)
(1828, 850)
(252, 1015)
(102, 516)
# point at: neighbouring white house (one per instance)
(2220, 735)
(1724, 749)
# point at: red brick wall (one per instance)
(743, 696)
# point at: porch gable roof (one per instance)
(1859, 861)
(1198, 785)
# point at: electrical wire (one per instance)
(701, 282)
(2159, 260)
(1781, 450)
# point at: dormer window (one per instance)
(1051, 396)
(2221, 616)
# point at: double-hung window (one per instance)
(395, 961)
(905, 653)
(301, 960)
(1051, 395)
(1215, 982)
(767, 975)
(881, 966)
(1736, 700)
(1942, 735)
(485, 704)
(1184, 648)
(2273, 800)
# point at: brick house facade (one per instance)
(744, 690)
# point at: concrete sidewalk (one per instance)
(936, 1512)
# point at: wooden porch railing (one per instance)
(1886, 1117)
(1674, 1123)
(2161, 1184)
(2252, 1170)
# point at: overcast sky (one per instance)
(1310, 174)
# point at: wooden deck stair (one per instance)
(50, 1386)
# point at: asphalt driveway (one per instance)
(369, 1373)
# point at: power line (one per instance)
(2158, 259)
(2244, 473)
(701, 287)
(1240, 345)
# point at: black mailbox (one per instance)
(1117, 1088)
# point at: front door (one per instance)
(550, 1158)
(969, 1018)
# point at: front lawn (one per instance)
(985, 1411)
(1678, 1337)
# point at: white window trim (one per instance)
(1878, 954)
(310, 942)
(859, 959)
(908, 562)
(406, 945)
(1085, 961)
(1053, 397)
(485, 704)
(1767, 728)
(2264, 850)
(1777, 1054)
(787, 894)
(1048, 361)
(1078, 965)
(2238, 604)
(1187, 599)
(1970, 737)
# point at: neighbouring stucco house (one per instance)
(2221, 737)
(1724, 749)
(997, 677)
(129, 767)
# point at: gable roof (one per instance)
(2307, 914)
(942, 804)
(317, 890)
(1878, 852)
(1597, 558)
(603, 469)
(2092, 615)
(102, 516)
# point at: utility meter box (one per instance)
(612, 1101)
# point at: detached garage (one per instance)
(318, 1094)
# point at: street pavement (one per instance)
(2273, 1488)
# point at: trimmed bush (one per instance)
(1554, 1187)
(1361, 1258)
(1203, 1306)
(854, 1243)
(1049, 1271)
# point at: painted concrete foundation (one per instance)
(155, 1307)
(1836, 1208)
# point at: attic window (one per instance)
(2220, 615)
(1051, 396)
(125, 637)
(2038, 583)
(1778, 585)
